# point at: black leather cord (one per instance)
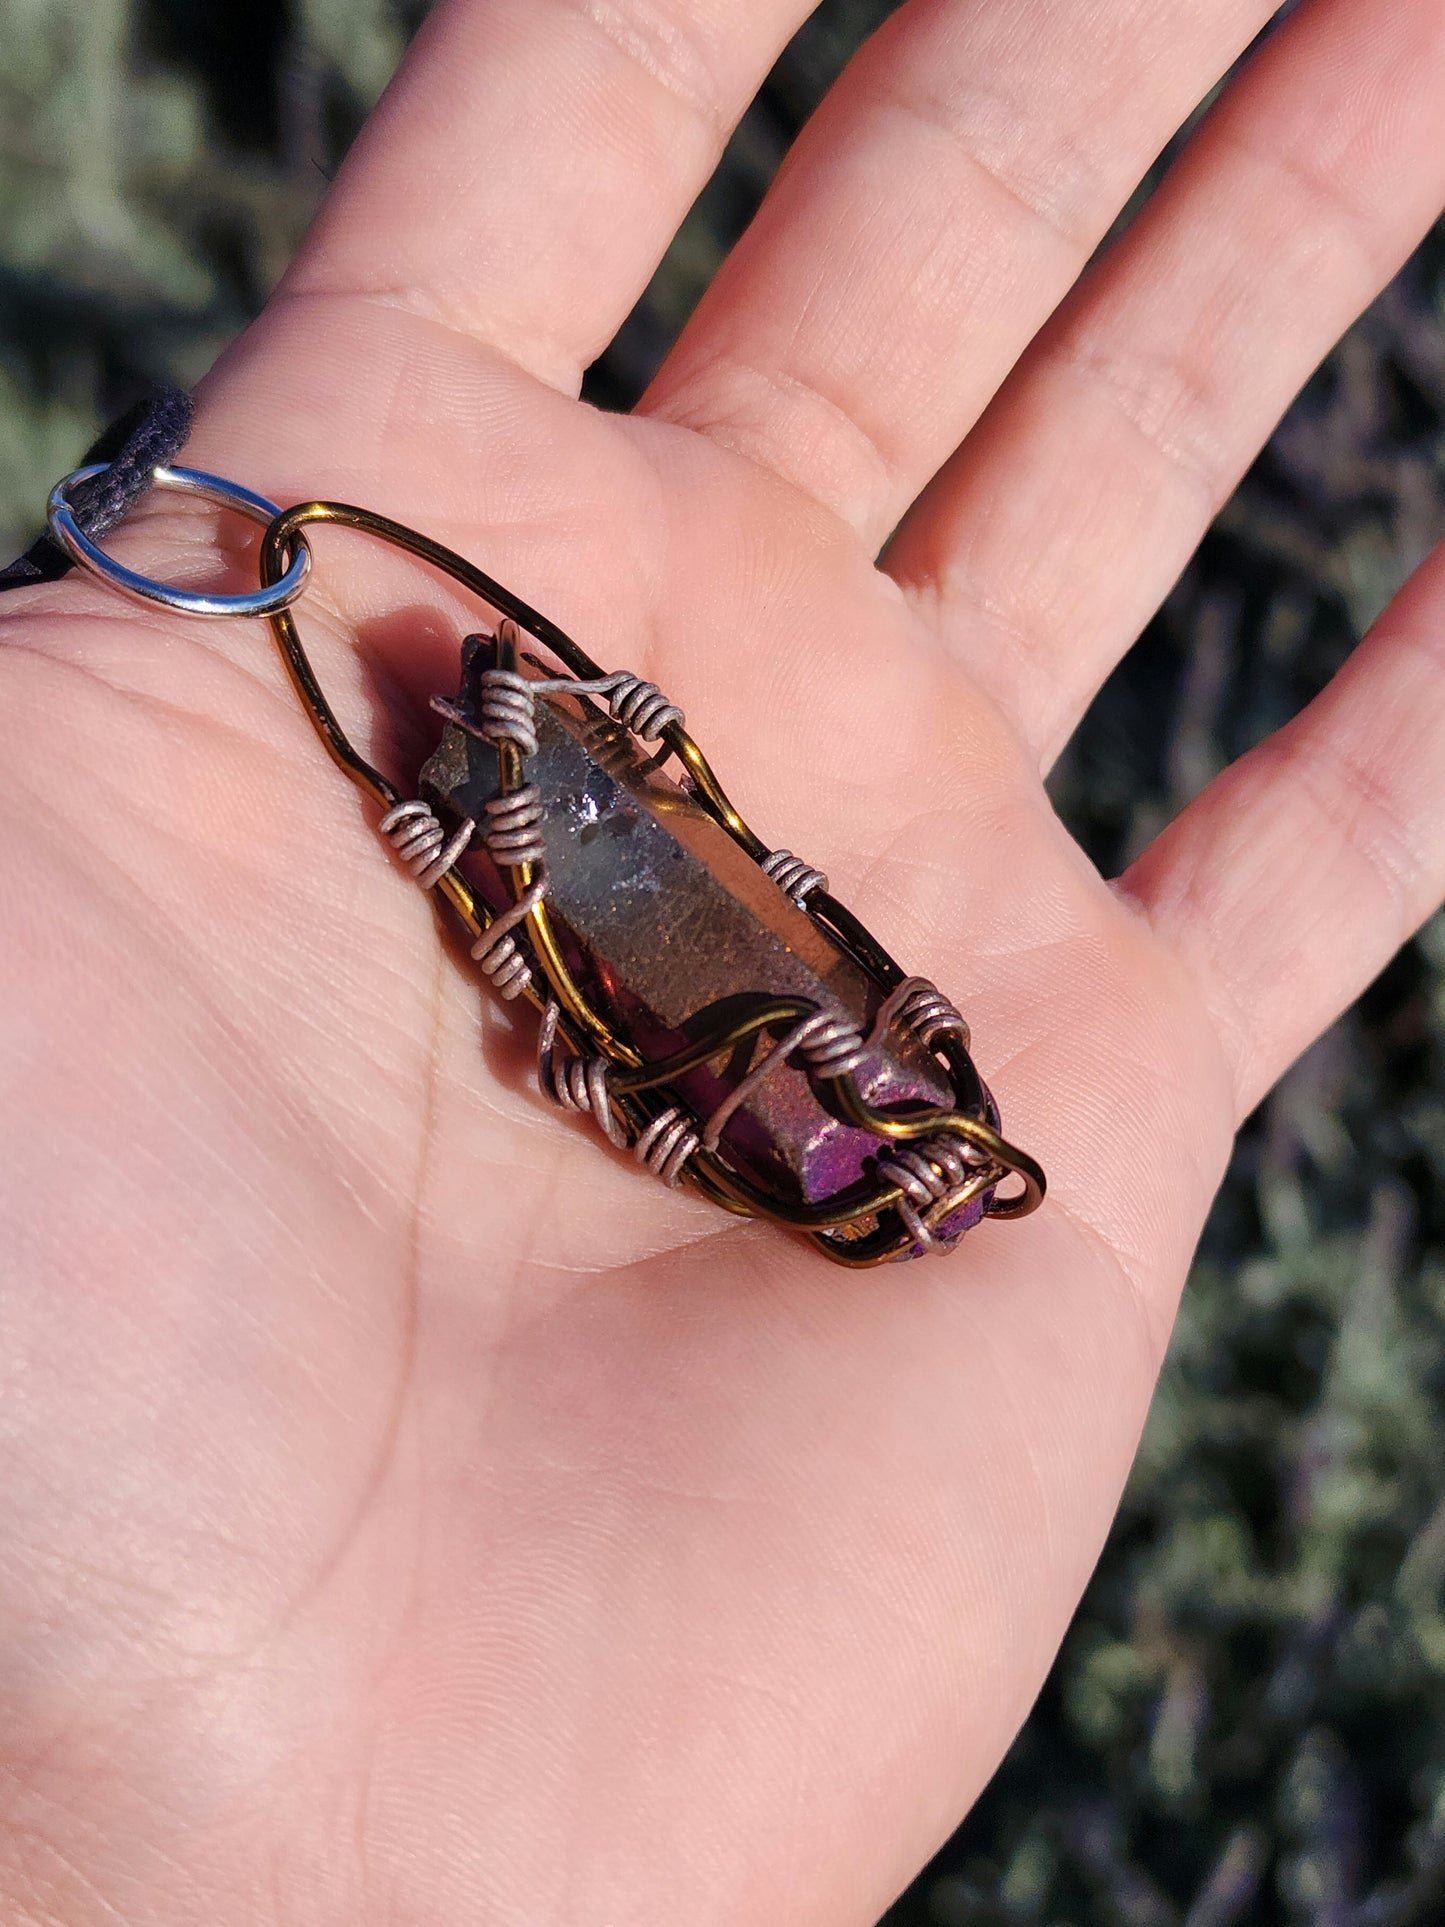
(147, 436)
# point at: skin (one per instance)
(408, 1511)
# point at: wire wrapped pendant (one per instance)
(756, 1049)
(703, 997)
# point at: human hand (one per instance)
(410, 1512)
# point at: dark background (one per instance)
(1247, 1723)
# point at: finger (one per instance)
(1296, 875)
(942, 201)
(1051, 539)
(526, 170)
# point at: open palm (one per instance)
(411, 1511)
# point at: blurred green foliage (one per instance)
(1247, 1723)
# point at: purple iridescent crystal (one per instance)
(669, 926)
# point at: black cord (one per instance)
(147, 436)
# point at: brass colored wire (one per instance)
(1007, 1157)
(549, 952)
(783, 1010)
(582, 1025)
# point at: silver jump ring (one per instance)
(144, 588)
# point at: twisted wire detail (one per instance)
(513, 827)
(415, 832)
(508, 710)
(829, 1045)
(666, 1144)
(497, 950)
(928, 1173)
(919, 1010)
(638, 705)
(508, 705)
(793, 876)
(575, 1083)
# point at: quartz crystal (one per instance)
(671, 928)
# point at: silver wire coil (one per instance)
(576, 1082)
(512, 830)
(579, 1084)
(919, 1011)
(497, 950)
(829, 1045)
(793, 876)
(666, 1144)
(508, 705)
(508, 709)
(416, 834)
(833, 1047)
(507, 970)
(927, 1173)
(639, 706)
